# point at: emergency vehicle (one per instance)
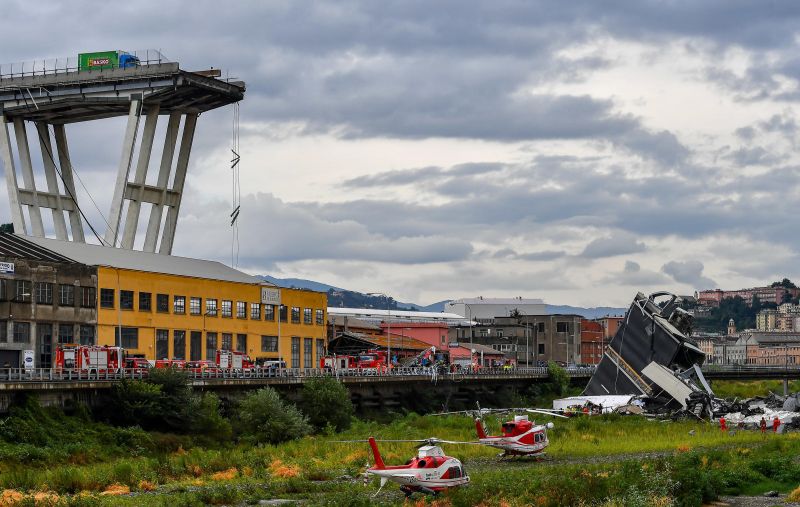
(233, 360)
(97, 358)
(372, 360)
(337, 362)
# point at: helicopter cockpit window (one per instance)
(454, 472)
(508, 428)
(538, 437)
(421, 463)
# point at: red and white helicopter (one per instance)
(429, 472)
(520, 437)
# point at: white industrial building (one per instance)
(482, 309)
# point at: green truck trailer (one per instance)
(101, 60)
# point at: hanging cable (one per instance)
(236, 190)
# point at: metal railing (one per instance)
(50, 66)
(110, 375)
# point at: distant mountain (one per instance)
(352, 299)
(587, 313)
(299, 283)
(348, 298)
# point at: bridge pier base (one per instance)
(786, 387)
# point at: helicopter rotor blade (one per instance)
(544, 412)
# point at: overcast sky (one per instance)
(573, 151)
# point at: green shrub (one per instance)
(207, 421)
(326, 401)
(262, 417)
(559, 379)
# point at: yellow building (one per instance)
(161, 306)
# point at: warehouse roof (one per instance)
(15, 247)
(95, 255)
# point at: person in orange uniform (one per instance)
(775, 424)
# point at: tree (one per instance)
(263, 417)
(558, 377)
(785, 283)
(327, 401)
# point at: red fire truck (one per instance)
(100, 358)
(337, 362)
(373, 360)
(233, 360)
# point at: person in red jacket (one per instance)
(763, 425)
(775, 424)
(723, 425)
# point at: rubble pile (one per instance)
(652, 368)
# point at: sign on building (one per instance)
(270, 296)
(27, 360)
(7, 267)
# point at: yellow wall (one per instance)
(148, 322)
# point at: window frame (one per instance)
(255, 309)
(178, 336)
(22, 287)
(88, 297)
(195, 305)
(295, 315)
(241, 310)
(104, 295)
(267, 341)
(211, 312)
(269, 316)
(147, 299)
(319, 318)
(16, 331)
(162, 303)
(66, 295)
(128, 293)
(178, 305)
(44, 293)
(226, 313)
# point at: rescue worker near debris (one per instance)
(723, 425)
(763, 425)
(775, 424)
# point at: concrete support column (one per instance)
(23, 150)
(189, 123)
(128, 144)
(11, 178)
(167, 155)
(146, 148)
(786, 387)
(75, 222)
(59, 224)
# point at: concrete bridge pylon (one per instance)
(50, 99)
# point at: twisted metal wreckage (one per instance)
(652, 367)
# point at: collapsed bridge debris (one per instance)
(652, 357)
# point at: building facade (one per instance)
(45, 300)
(593, 341)
(527, 339)
(484, 310)
(774, 295)
(161, 306)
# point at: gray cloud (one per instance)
(689, 273)
(633, 275)
(610, 246)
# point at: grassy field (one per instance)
(49, 459)
(751, 388)
(598, 451)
